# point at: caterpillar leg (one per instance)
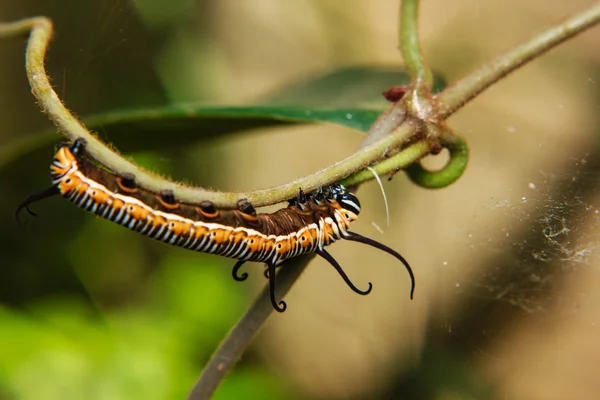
(323, 253)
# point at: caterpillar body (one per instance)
(309, 223)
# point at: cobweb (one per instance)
(546, 235)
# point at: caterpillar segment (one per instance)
(309, 223)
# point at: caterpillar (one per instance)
(309, 223)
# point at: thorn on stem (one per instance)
(395, 93)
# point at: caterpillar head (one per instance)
(347, 200)
(78, 146)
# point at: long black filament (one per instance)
(236, 269)
(323, 253)
(32, 198)
(281, 306)
(362, 239)
(266, 272)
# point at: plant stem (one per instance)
(450, 100)
(403, 159)
(465, 90)
(41, 32)
(238, 339)
(454, 168)
(409, 45)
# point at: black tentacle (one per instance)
(362, 239)
(281, 306)
(236, 268)
(266, 271)
(323, 253)
(32, 198)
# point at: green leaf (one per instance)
(348, 97)
(177, 125)
(350, 87)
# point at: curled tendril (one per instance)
(454, 168)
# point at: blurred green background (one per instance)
(504, 308)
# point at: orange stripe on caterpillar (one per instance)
(310, 222)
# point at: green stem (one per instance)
(238, 339)
(41, 32)
(409, 45)
(451, 100)
(463, 91)
(454, 168)
(401, 160)
(20, 27)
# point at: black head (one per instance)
(78, 146)
(347, 200)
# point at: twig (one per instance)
(465, 90)
(238, 339)
(409, 45)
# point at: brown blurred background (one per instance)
(506, 259)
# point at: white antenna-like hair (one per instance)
(387, 209)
